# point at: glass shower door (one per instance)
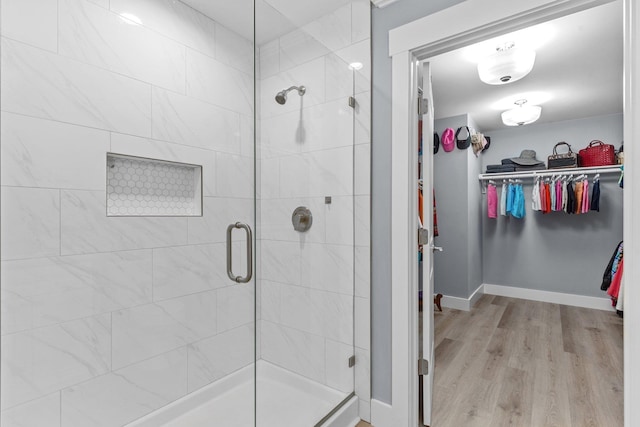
(308, 100)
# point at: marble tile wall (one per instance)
(106, 319)
(314, 287)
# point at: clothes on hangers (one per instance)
(595, 196)
(613, 279)
(511, 192)
(607, 277)
(614, 289)
(535, 196)
(518, 209)
(503, 200)
(585, 196)
(547, 196)
(435, 216)
(620, 302)
(571, 198)
(578, 207)
(492, 201)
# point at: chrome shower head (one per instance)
(281, 96)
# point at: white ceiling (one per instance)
(273, 17)
(577, 73)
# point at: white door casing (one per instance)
(463, 24)
(428, 337)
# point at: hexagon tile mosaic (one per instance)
(147, 187)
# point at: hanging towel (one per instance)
(503, 200)
(492, 201)
(595, 196)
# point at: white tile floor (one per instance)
(285, 399)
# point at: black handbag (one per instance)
(562, 160)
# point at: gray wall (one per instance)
(474, 222)
(384, 20)
(451, 174)
(554, 252)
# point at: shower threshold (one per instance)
(285, 399)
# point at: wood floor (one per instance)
(512, 362)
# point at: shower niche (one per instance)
(138, 186)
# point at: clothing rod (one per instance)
(550, 172)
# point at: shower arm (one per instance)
(300, 89)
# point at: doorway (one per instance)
(407, 45)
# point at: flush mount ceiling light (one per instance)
(522, 114)
(508, 64)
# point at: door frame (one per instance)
(463, 24)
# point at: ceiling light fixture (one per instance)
(356, 66)
(508, 64)
(522, 114)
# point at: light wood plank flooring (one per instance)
(525, 363)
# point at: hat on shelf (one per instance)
(463, 137)
(448, 140)
(527, 158)
(436, 142)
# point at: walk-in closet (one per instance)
(530, 226)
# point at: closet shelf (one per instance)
(550, 172)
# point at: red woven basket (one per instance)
(597, 153)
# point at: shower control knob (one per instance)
(301, 219)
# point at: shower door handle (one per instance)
(240, 279)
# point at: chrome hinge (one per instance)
(423, 106)
(423, 367)
(352, 361)
(352, 102)
(423, 236)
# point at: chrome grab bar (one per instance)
(240, 279)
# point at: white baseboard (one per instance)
(382, 414)
(547, 296)
(475, 296)
(462, 303)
